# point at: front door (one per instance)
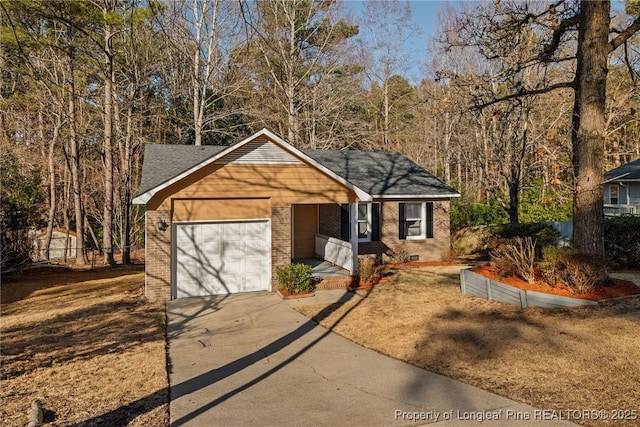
(305, 226)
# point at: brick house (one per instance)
(219, 220)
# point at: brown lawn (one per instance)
(566, 359)
(86, 344)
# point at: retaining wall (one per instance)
(480, 286)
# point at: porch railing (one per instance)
(335, 251)
(621, 210)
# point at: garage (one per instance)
(219, 258)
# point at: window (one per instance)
(368, 222)
(613, 194)
(364, 222)
(416, 221)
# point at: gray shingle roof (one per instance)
(624, 172)
(379, 173)
(164, 161)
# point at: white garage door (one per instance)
(222, 258)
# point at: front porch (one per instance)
(326, 274)
(621, 210)
(329, 256)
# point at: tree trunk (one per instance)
(589, 126)
(107, 224)
(81, 256)
(52, 187)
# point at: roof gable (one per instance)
(260, 151)
(252, 149)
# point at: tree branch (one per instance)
(624, 35)
(564, 26)
(560, 85)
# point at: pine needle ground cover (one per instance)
(87, 345)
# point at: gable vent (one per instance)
(260, 151)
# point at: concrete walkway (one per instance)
(252, 360)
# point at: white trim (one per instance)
(618, 177)
(369, 223)
(422, 219)
(415, 196)
(146, 196)
(353, 240)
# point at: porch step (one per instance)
(334, 282)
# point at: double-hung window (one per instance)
(364, 222)
(613, 194)
(416, 220)
(368, 222)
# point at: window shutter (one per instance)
(402, 231)
(375, 221)
(429, 220)
(344, 222)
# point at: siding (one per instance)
(283, 184)
(260, 151)
(220, 209)
(634, 193)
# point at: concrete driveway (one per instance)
(252, 360)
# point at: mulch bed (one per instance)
(616, 289)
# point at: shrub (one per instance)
(622, 240)
(580, 272)
(583, 271)
(517, 257)
(542, 234)
(295, 278)
(466, 213)
(550, 264)
(398, 255)
(366, 268)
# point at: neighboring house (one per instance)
(220, 220)
(61, 241)
(622, 190)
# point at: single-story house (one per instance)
(220, 219)
(622, 190)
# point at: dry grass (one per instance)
(87, 345)
(586, 358)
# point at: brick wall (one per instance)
(280, 241)
(329, 217)
(433, 249)
(158, 257)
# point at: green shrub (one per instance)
(517, 256)
(295, 278)
(622, 240)
(466, 213)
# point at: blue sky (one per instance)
(425, 15)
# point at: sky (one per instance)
(425, 15)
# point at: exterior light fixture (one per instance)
(162, 225)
